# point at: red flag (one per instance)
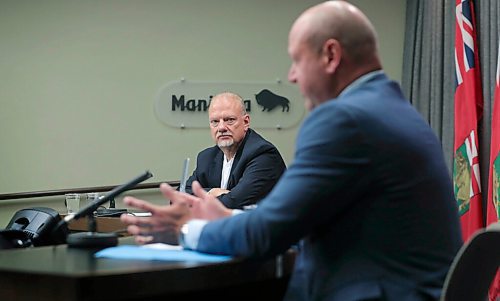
(468, 108)
(493, 205)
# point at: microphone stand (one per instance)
(93, 239)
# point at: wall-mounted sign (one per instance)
(184, 104)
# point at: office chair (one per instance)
(474, 267)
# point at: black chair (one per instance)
(474, 267)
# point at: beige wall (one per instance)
(78, 81)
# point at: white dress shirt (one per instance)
(226, 171)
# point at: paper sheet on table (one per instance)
(156, 253)
(162, 246)
(139, 213)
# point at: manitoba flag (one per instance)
(468, 108)
(493, 205)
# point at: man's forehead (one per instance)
(223, 113)
(221, 105)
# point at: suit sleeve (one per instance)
(260, 175)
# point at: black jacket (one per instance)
(256, 168)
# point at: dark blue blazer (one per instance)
(257, 167)
(368, 199)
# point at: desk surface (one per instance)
(62, 273)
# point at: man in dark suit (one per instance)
(368, 198)
(243, 167)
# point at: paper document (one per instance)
(140, 213)
(160, 246)
(155, 253)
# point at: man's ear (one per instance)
(332, 53)
(246, 121)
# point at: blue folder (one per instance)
(138, 252)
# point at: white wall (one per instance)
(78, 81)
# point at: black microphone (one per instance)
(93, 239)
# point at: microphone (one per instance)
(94, 239)
(184, 176)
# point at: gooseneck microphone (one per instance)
(92, 238)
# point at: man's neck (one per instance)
(229, 154)
(347, 76)
(231, 151)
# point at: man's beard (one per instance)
(225, 143)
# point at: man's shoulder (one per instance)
(209, 152)
(369, 98)
(256, 141)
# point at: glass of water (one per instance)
(72, 202)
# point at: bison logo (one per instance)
(268, 100)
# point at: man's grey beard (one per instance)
(225, 143)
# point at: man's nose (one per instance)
(221, 127)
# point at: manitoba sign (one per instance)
(184, 104)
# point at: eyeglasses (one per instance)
(227, 121)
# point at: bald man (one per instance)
(242, 167)
(367, 198)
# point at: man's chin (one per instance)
(225, 143)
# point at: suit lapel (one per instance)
(231, 182)
(216, 170)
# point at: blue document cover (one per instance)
(142, 253)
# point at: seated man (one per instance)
(243, 167)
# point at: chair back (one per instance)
(474, 267)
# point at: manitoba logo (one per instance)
(465, 173)
(272, 105)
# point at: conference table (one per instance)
(66, 273)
